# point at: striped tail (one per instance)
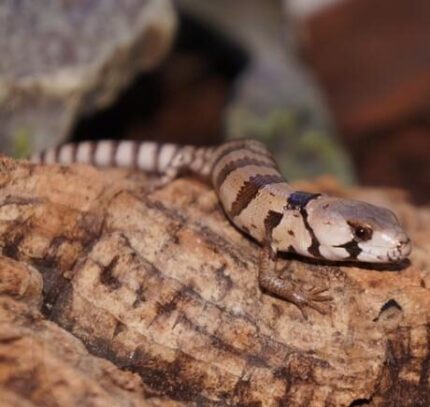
(142, 155)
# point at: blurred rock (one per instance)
(274, 78)
(67, 59)
(275, 99)
(183, 100)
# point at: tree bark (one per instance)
(112, 296)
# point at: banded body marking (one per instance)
(259, 201)
(146, 156)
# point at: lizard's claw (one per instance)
(310, 298)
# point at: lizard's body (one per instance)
(259, 201)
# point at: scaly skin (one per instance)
(260, 202)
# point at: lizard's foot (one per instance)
(302, 298)
(279, 283)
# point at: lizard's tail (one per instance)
(143, 155)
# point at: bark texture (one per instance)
(110, 296)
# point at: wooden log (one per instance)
(153, 298)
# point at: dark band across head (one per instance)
(299, 199)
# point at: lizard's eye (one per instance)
(361, 232)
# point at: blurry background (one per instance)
(332, 86)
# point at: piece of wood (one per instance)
(150, 298)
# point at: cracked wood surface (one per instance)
(109, 296)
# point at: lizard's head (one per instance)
(355, 230)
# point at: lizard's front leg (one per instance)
(270, 279)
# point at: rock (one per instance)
(162, 291)
(71, 59)
(20, 280)
(275, 99)
(42, 364)
(274, 78)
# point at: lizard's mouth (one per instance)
(392, 254)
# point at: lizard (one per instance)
(259, 201)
